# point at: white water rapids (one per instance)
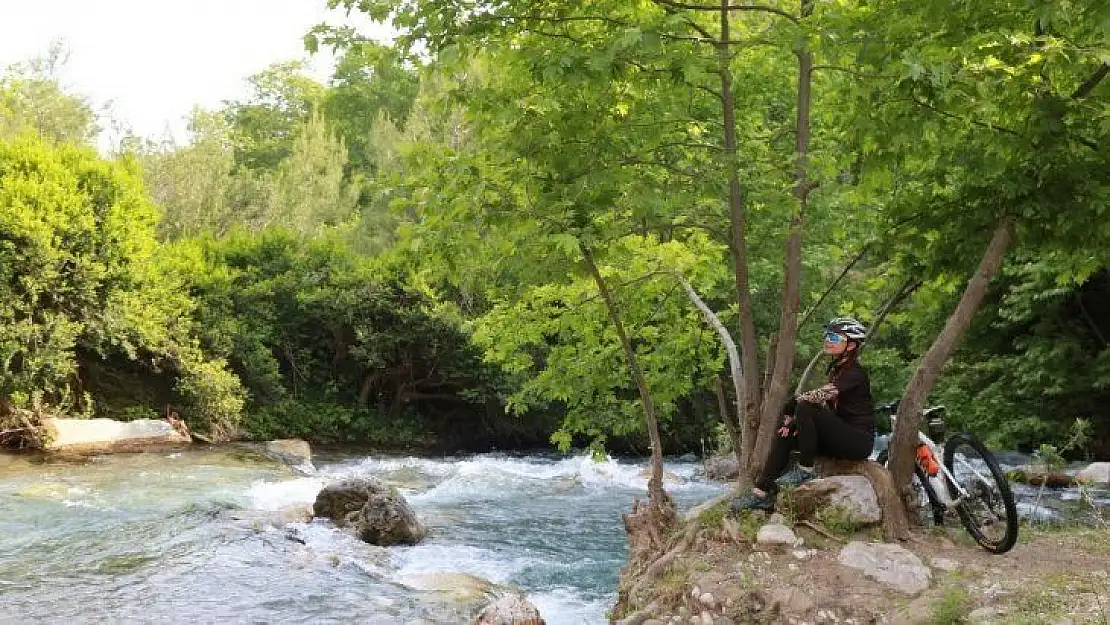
(189, 538)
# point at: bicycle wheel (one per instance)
(921, 485)
(988, 512)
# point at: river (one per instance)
(194, 537)
(183, 538)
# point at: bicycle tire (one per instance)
(971, 524)
(935, 506)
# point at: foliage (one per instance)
(33, 102)
(713, 517)
(558, 341)
(330, 345)
(408, 244)
(371, 87)
(1036, 362)
(264, 126)
(79, 270)
(839, 520)
(952, 607)
(201, 191)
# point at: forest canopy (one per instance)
(464, 239)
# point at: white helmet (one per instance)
(849, 327)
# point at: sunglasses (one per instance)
(834, 338)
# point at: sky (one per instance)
(153, 60)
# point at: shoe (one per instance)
(752, 501)
(796, 477)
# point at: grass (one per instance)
(749, 523)
(712, 517)
(952, 607)
(1094, 540)
(784, 505)
(839, 520)
(1050, 597)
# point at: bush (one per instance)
(213, 398)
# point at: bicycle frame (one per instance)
(942, 494)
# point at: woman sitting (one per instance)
(836, 420)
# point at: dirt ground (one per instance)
(1055, 576)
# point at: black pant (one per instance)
(815, 430)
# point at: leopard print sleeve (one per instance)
(821, 395)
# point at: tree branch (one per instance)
(858, 257)
(730, 347)
(853, 72)
(1089, 85)
(732, 7)
(1090, 321)
(546, 18)
(962, 119)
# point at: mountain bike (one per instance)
(969, 481)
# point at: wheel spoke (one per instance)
(987, 509)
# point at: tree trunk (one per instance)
(655, 482)
(749, 416)
(365, 387)
(902, 444)
(774, 395)
(731, 425)
(743, 449)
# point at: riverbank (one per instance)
(731, 574)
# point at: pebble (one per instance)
(708, 600)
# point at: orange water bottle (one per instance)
(926, 460)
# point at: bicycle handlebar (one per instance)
(892, 408)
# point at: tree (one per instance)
(33, 101)
(192, 183)
(311, 189)
(80, 272)
(1003, 138)
(264, 127)
(1036, 358)
(201, 191)
(695, 51)
(372, 85)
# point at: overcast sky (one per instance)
(156, 59)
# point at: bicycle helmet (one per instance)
(849, 327)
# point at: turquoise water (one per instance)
(196, 537)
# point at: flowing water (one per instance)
(195, 537)
(200, 537)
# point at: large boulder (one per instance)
(852, 493)
(722, 468)
(110, 436)
(509, 609)
(371, 509)
(889, 564)
(1095, 473)
(292, 452)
